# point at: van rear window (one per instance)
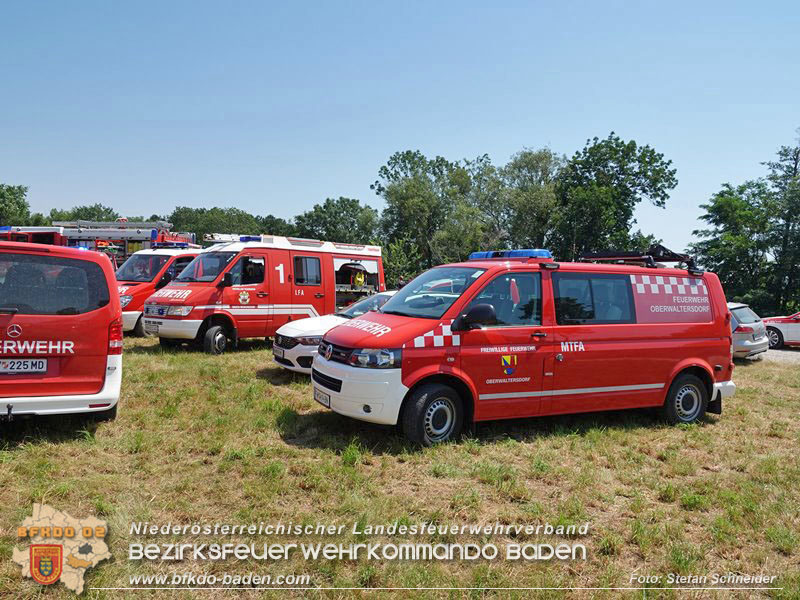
(50, 285)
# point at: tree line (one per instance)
(438, 210)
(752, 240)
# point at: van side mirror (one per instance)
(227, 280)
(479, 315)
(165, 279)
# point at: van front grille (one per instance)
(326, 381)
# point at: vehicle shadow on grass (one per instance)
(329, 431)
(52, 429)
(281, 376)
(195, 348)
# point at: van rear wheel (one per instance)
(434, 414)
(687, 400)
(215, 340)
(105, 415)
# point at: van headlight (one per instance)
(125, 300)
(376, 358)
(179, 311)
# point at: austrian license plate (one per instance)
(277, 351)
(13, 366)
(322, 397)
(151, 326)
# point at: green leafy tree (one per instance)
(530, 182)
(784, 180)
(276, 226)
(214, 220)
(420, 195)
(340, 220)
(401, 262)
(93, 212)
(462, 233)
(598, 190)
(737, 244)
(14, 207)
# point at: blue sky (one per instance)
(274, 107)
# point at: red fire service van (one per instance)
(61, 327)
(250, 288)
(145, 272)
(514, 334)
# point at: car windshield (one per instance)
(206, 266)
(744, 314)
(430, 295)
(356, 309)
(141, 267)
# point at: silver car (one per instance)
(749, 333)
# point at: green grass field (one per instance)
(234, 439)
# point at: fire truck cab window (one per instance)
(248, 270)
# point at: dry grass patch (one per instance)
(235, 439)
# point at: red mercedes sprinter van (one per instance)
(61, 328)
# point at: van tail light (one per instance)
(744, 329)
(115, 336)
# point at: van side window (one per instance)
(516, 298)
(307, 270)
(249, 270)
(587, 299)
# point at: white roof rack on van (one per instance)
(234, 242)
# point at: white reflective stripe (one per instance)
(264, 309)
(594, 390)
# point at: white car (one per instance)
(296, 342)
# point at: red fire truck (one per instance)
(119, 238)
(250, 287)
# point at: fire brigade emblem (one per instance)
(58, 548)
(46, 562)
(244, 297)
(509, 363)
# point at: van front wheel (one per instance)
(138, 330)
(215, 341)
(434, 414)
(687, 400)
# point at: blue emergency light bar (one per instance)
(249, 238)
(522, 253)
(157, 245)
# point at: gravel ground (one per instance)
(786, 355)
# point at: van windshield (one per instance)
(141, 267)
(430, 295)
(206, 266)
(363, 306)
